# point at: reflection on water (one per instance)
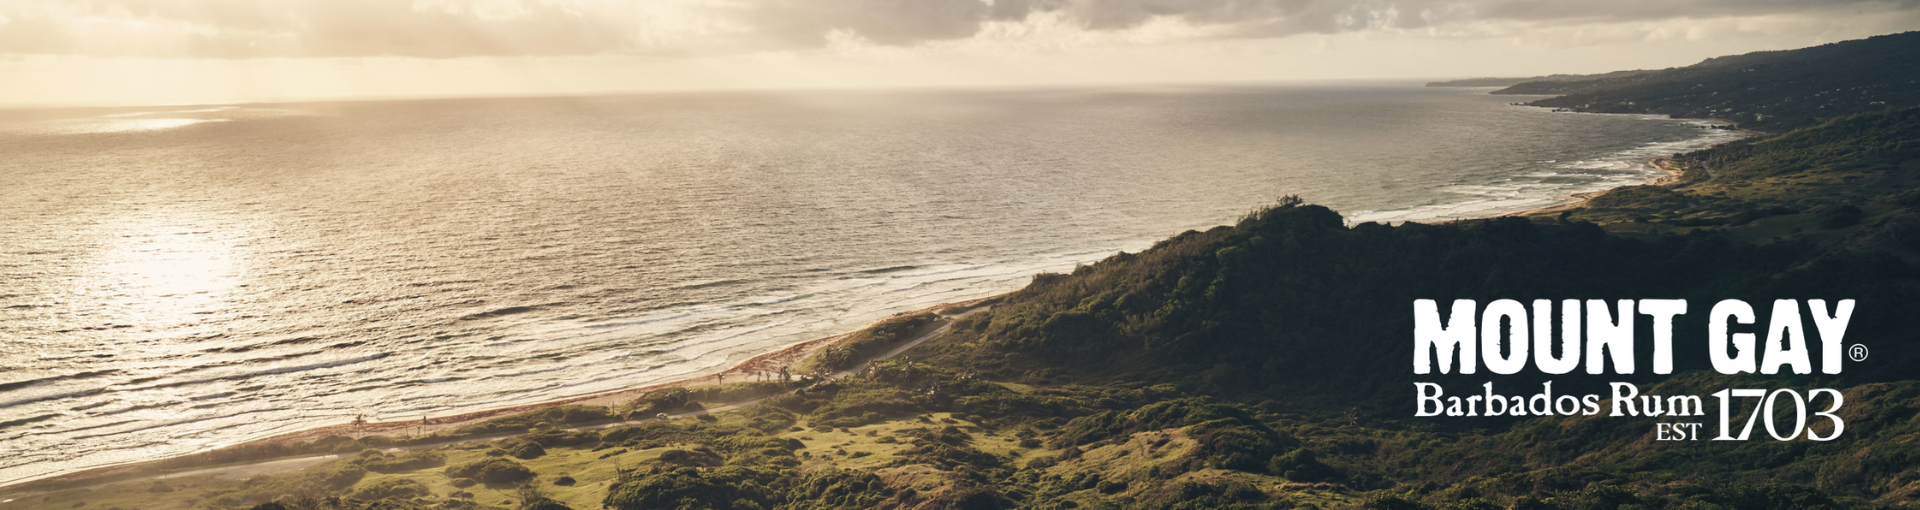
(90, 126)
(160, 272)
(135, 121)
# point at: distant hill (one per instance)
(1768, 90)
(1485, 82)
(1508, 82)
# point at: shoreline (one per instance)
(791, 354)
(1575, 200)
(1661, 163)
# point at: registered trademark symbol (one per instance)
(1858, 352)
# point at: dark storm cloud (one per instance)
(457, 28)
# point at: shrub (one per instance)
(841, 488)
(544, 504)
(553, 438)
(698, 457)
(410, 461)
(670, 401)
(527, 450)
(1393, 502)
(390, 488)
(671, 488)
(869, 342)
(1839, 216)
(1301, 465)
(854, 407)
(976, 498)
(493, 470)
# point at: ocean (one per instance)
(182, 278)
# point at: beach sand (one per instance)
(1662, 164)
(790, 356)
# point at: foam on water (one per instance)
(1557, 186)
(177, 279)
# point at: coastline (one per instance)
(1575, 200)
(791, 354)
(1661, 163)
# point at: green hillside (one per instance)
(1849, 184)
(1770, 90)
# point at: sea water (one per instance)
(175, 279)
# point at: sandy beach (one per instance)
(788, 356)
(1662, 164)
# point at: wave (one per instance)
(5, 387)
(28, 421)
(52, 396)
(511, 310)
(262, 372)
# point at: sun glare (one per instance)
(163, 275)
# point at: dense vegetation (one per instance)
(1848, 184)
(870, 342)
(1767, 90)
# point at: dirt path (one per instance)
(1665, 165)
(1710, 177)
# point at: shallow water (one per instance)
(176, 279)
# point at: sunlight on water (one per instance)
(160, 271)
(131, 125)
(164, 274)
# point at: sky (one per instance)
(142, 52)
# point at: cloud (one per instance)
(305, 28)
(889, 22)
(1271, 18)
(463, 28)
